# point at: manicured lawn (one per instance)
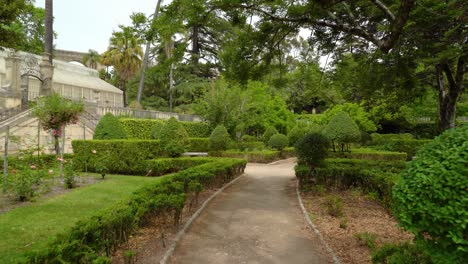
(29, 228)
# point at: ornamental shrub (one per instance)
(342, 130)
(269, 132)
(357, 114)
(431, 200)
(174, 138)
(278, 141)
(109, 128)
(219, 138)
(300, 130)
(312, 149)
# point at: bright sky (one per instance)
(88, 24)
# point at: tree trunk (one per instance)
(56, 145)
(144, 65)
(195, 45)
(450, 89)
(49, 30)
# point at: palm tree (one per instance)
(92, 59)
(125, 55)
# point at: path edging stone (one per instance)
(314, 228)
(188, 224)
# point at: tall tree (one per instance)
(92, 59)
(10, 33)
(149, 39)
(125, 55)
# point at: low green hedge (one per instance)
(117, 156)
(263, 156)
(199, 145)
(409, 146)
(158, 167)
(370, 154)
(382, 139)
(141, 128)
(370, 175)
(90, 240)
(251, 146)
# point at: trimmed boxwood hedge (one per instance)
(120, 156)
(158, 167)
(410, 146)
(95, 238)
(370, 154)
(199, 145)
(370, 175)
(263, 156)
(142, 128)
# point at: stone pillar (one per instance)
(47, 72)
(13, 73)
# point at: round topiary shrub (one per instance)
(312, 149)
(342, 130)
(278, 141)
(431, 200)
(300, 130)
(219, 138)
(109, 127)
(270, 131)
(174, 139)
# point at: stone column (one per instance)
(13, 73)
(47, 72)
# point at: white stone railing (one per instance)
(139, 113)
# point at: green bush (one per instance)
(140, 128)
(101, 234)
(431, 200)
(409, 146)
(342, 130)
(23, 182)
(261, 156)
(251, 146)
(173, 137)
(199, 145)
(400, 254)
(248, 138)
(219, 138)
(382, 139)
(296, 134)
(269, 132)
(119, 156)
(312, 149)
(109, 128)
(424, 130)
(370, 154)
(158, 167)
(370, 175)
(355, 112)
(278, 141)
(146, 128)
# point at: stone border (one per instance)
(188, 224)
(314, 228)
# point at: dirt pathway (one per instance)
(256, 220)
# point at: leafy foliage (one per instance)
(357, 114)
(269, 132)
(219, 138)
(431, 200)
(278, 141)
(109, 127)
(312, 149)
(400, 254)
(116, 156)
(54, 112)
(342, 130)
(137, 128)
(173, 137)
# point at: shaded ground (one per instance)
(256, 220)
(360, 215)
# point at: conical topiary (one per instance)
(219, 138)
(174, 138)
(269, 132)
(342, 130)
(109, 127)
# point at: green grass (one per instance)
(30, 227)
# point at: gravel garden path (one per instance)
(256, 220)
